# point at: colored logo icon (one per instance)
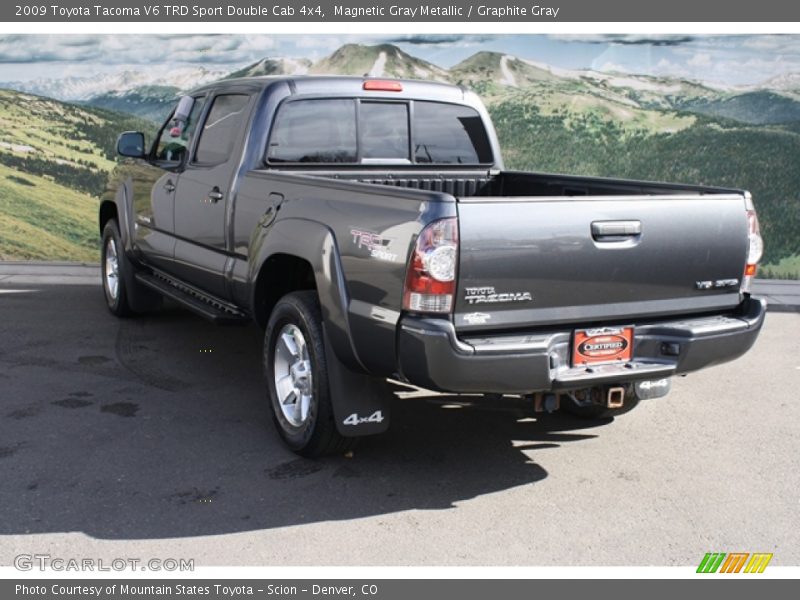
(735, 562)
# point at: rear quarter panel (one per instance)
(372, 227)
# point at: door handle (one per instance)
(215, 195)
(616, 230)
(169, 187)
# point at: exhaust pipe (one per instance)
(615, 398)
(546, 402)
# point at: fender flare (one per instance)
(140, 298)
(124, 210)
(316, 244)
(353, 391)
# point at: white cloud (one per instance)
(700, 60)
(625, 40)
(323, 41)
(224, 49)
(784, 44)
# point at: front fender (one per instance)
(123, 208)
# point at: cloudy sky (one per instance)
(727, 60)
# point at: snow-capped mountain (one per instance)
(383, 60)
(784, 82)
(274, 66)
(85, 88)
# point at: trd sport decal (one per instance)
(378, 246)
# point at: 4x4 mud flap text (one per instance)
(361, 403)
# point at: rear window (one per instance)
(314, 131)
(384, 130)
(449, 134)
(352, 131)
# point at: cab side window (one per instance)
(174, 137)
(221, 126)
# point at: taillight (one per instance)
(431, 276)
(755, 245)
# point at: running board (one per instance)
(215, 310)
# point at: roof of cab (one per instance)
(336, 84)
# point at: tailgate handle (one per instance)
(215, 195)
(616, 229)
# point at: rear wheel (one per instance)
(297, 378)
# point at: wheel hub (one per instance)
(111, 274)
(293, 375)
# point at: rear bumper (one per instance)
(430, 354)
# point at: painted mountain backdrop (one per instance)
(57, 135)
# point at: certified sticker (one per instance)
(595, 346)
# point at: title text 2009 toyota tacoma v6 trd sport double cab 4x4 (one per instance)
(369, 227)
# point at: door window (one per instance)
(174, 138)
(220, 129)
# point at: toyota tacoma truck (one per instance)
(370, 228)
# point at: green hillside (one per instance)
(760, 107)
(54, 158)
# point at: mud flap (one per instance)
(140, 299)
(361, 403)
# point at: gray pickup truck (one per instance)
(369, 227)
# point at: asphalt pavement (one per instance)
(150, 437)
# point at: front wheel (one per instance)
(297, 378)
(113, 265)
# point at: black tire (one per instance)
(116, 296)
(599, 411)
(131, 297)
(313, 434)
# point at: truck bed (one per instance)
(538, 250)
(466, 184)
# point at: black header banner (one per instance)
(333, 11)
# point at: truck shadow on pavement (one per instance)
(157, 427)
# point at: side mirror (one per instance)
(131, 144)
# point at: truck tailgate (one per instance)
(534, 262)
